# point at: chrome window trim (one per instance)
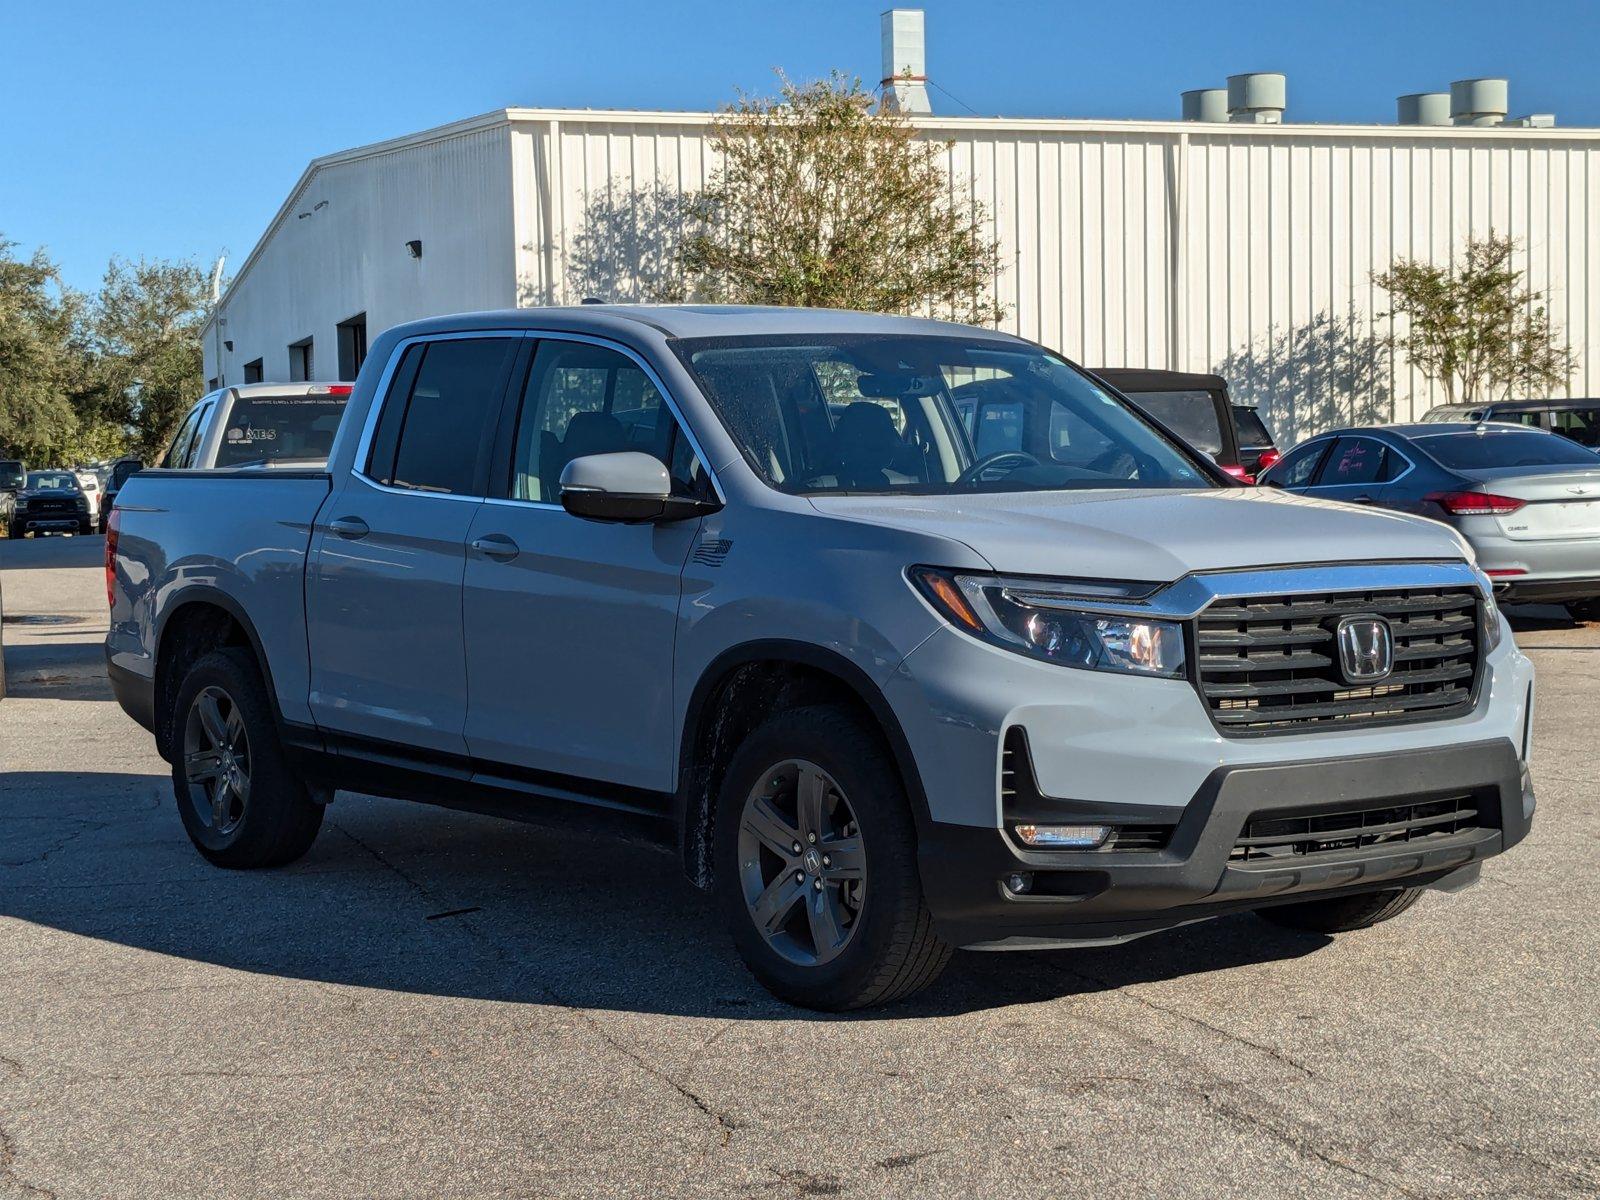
(1371, 483)
(380, 401)
(386, 380)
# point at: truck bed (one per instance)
(234, 538)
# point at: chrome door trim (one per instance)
(386, 380)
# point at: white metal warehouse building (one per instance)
(1239, 248)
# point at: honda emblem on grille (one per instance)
(1366, 649)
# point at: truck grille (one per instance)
(1270, 663)
(1279, 837)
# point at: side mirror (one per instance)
(626, 486)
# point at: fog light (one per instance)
(1063, 837)
(1019, 883)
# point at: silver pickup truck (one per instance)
(739, 578)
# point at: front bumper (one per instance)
(1080, 897)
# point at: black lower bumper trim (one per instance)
(1093, 895)
(1547, 591)
(135, 693)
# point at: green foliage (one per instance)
(821, 199)
(39, 319)
(148, 319)
(84, 379)
(1477, 330)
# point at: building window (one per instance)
(301, 365)
(352, 346)
(213, 384)
(253, 371)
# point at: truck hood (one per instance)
(1154, 536)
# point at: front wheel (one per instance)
(241, 802)
(816, 865)
(1341, 914)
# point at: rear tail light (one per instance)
(112, 522)
(1474, 504)
(1239, 473)
(1269, 458)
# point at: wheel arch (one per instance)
(199, 619)
(780, 673)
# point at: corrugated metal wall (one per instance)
(1242, 250)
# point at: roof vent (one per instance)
(1258, 98)
(1205, 104)
(1424, 108)
(905, 62)
(1478, 101)
(1532, 121)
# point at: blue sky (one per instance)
(176, 129)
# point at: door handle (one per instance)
(496, 546)
(349, 527)
(1363, 500)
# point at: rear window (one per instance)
(1253, 432)
(1190, 415)
(1505, 448)
(264, 429)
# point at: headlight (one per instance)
(22, 503)
(1040, 618)
(1492, 629)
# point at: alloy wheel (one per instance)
(216, 760)
(802, 863)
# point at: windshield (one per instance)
(1253, 432)
(1506, 448)
(926, 415)
(266, 428)
(1192, 415)
(51, 481)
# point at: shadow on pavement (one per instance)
(20, 554)
(57, 671)
(418, 899)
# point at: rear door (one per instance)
(383, 589)
(570, 623)
(1357, 471)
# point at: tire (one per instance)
(1341, 914)
(273, 820)
(85, 528)
(17, 531)
(1584, 611)
(887, 948)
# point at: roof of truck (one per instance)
(700, 320)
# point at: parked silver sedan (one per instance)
(1528, 501)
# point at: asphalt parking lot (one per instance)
(433, 1004)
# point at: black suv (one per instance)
(1575, 419)
(1195, 407)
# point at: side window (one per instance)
(454, 398)
(583, 399)
(1298, 466)
(181, 440)
(1355, 461)
(1582, 425)
(198, 432)
(1523, 416)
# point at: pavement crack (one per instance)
(85, 827)
(1271, 1052)
(8, 1169)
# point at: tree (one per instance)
(148, 320)
(821, 199)
(39, 325)
(1477, 330)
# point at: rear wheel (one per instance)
(1341, 914)
(241, 802)
(816, 865)
(17, 531)
(1584, 611)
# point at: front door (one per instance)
(383, 589)
(570, 623)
